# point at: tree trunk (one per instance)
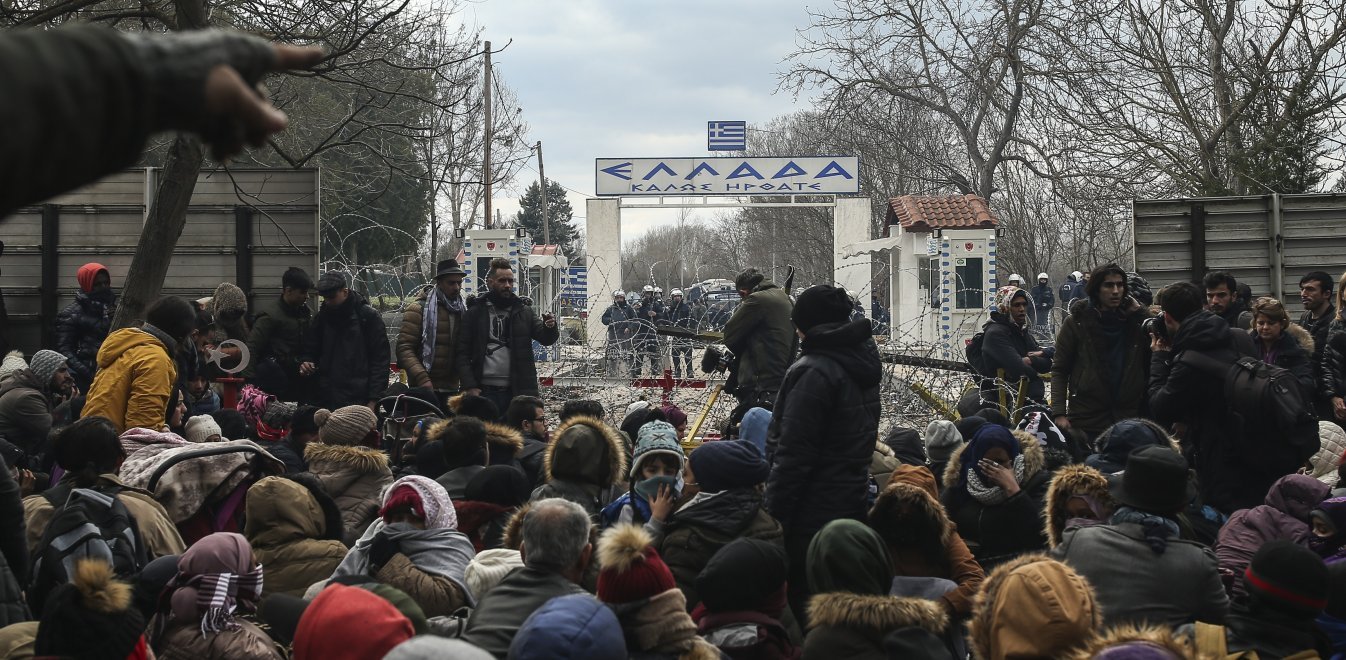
(159, 237)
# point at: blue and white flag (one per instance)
(727, 135)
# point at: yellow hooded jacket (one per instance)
(134, 381)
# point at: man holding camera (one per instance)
(1102, 353)
(1192, 401)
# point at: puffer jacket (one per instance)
(998, 533)
(525, 328)
(135, 379)
(246, 642)
(1004, 346)
(761, 334)
(80, 330)
(355, 478)
(1067, 482)
(1284, 517)
(1294, 353)
(821, 438)
(443, 373)
(349, 345)
(1332, 369)
(1085, 385)
(1331, 448)
(295, 531)
(853, 626)
(585, 463)
(696, 532)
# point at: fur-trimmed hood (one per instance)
(1034, 459)
(1155, 636)
(1071, 480)
(359, 459)
(1297, 333)
(587, 450)
(503, 439)
(512, 536)
(876, 614)
(1032, 606)
(902, 499)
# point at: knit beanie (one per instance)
(941, 438)
(349, 622)
(1004, 297)
(13, 362)
(228, 298)
(434, 647)
(279, 414)
(303, 421)
(742, 575)
(1289, 578)
(45, 364)
(574, 627)
(91, 617)
(630, 569)
(488, 568)
(201, 427)
(966, 427)
(656, 438)
(675, 415)
(345, 426)
(425, 497)
(727, 464)
(821, 304)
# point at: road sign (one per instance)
(726, 135)
(807, 175)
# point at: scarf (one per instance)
(252, 403)
(992, 495)
(430, 321)
(1158, 529)
(218, 595)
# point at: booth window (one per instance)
(969, 293)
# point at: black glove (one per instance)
(381, 551)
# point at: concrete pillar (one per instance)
(850, 224)
(603, 256)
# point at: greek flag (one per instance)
(727, 135)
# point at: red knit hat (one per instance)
(403, 497)
(632, 569)
(349, 622)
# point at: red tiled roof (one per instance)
(927, 213)
(544, 250)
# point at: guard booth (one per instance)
(480, 246)
(547, 269)
(941, 252)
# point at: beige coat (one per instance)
(355, 477)
(443, 373)
(161, 538)
(287, 530)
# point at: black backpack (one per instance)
(88, 523)
(1267, 403)
(973, 352)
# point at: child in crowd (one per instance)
(1329, 530)
(656, 480)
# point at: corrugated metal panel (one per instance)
(102, 222)
(1313, 230)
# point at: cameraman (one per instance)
(1192, 400)
(761, 334)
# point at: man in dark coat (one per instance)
(620, 318)
(1101, 359)
(27, 398)
(761, 336)
(1008, 345)
(1043, 301)
(347, 347)
(824, 427)
(495, 342)
(1315, 292)
(678, 314)
(277, 337)
(83, 325)
(1222, 299)
(1192, 401)
(649, 314)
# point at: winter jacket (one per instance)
(80, 330)
(1182, 393)
(157, 532)
(1332, 369)
(1087, 387)
(694, 534)
(1004, 346)
(185, 641)
(761, 334)
(443, 372)
(1137, 585)
(13, 552)
(644, 324)
(278, 332)
(1284, 517)
(733, 633)
(1013, 527)
(1318, 329)
(1294, 353)
(621, 322)
(853, 626)
(822, 436)
(679, 315)
(349, 345)
(1331, 448)
(437, 595)
(525, 328)
(1043, 302)
(135, 379)
(585, 463)
(295, 531)
(25, 411)
(353, 476)
(531, 458)
(1033, 607)
(501, 612)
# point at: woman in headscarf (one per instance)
(994, 487)
(200, 613)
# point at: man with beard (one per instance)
(1222, 300)
(278, 330)
(495, 342)
(429, 332)
(347, 347)
(84, 324)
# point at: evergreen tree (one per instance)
(559, 216)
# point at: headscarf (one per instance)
(252, 403)
(435, 506)
(971, 481)
(850, 557)
(1005, 296)
(216, 577)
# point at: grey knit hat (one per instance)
(345, 426)
(13, 362)
(656, 438)
(45, 364)
(228, 298)
(278, 414)
(941, 438)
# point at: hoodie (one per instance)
(1032, 607)
(584, 462)
(135, 379)
(1283, 516)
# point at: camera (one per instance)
(1155, 326)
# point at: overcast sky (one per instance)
(634, 78)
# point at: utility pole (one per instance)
(542, 182)
(486, 149)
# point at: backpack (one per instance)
(1266, 400)
(973, 352)
(87, 524)
(1211, 642)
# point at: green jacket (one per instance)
(278, 332)
(761, 334)
(1081, 368)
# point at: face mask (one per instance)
(649, 488)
